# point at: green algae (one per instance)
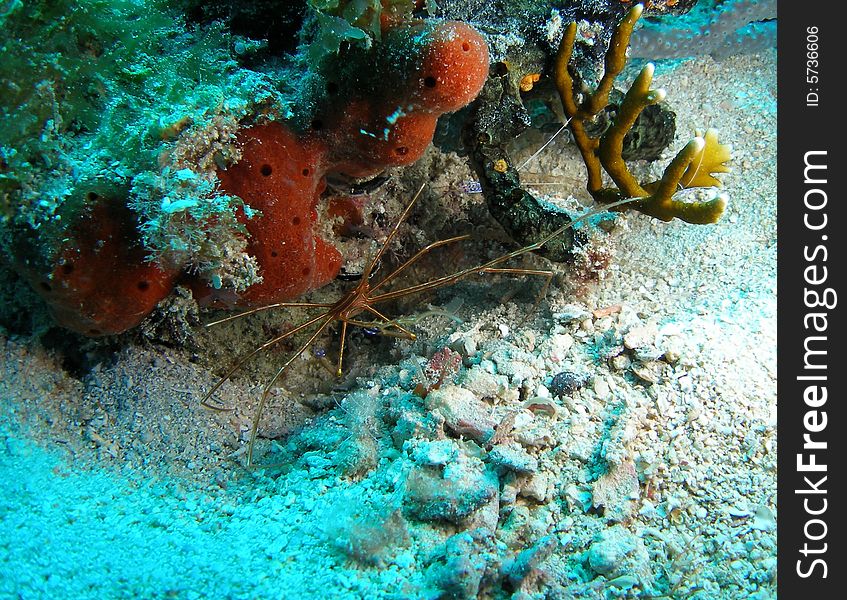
(93, 94)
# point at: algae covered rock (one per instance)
(616, 552)
(450, 493)
(461, 566)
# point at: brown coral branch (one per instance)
(576, 116)
(693, 166)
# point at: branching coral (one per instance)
(693, 166)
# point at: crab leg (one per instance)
(254, 430)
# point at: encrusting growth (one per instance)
(693, 166)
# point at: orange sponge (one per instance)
(380, 111)
(454, 68)
(367, 148)
(281, 176)
(390, 110)
(102, 283)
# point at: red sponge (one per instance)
(388, 114)
(380, 111)
(281, 176)
(369, 147)
(455, 66)
(102, 283)
(376, 116)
